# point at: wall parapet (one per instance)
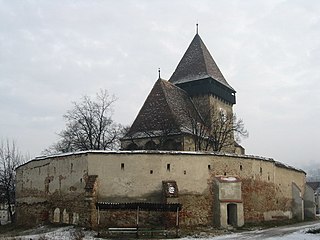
(254, 157)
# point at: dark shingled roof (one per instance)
(197, 63)
(314, 185)
(166, 107)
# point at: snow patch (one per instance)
(229, 179)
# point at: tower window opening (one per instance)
(209, 167)
(168, 167)
(260, 170)
(122, 166)
(240, 167)
(184, 172)
(151, 171)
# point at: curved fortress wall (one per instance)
(66, 188)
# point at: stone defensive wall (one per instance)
(67, 188)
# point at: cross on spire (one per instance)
(197, 28)
(159, 73)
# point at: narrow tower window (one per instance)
(168, 167)
(122, 166)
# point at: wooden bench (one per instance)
(123, 230)
(152, 232)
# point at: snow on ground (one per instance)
(291, 232)
(63, 233)
(236, 236)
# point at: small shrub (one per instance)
(314, 231)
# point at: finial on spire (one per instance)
(159, 73)
(197, 27)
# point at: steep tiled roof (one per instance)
(197, 63)
(168, 108)
(314, 185)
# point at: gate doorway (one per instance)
(232, 214)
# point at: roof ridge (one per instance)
(166, 99)
(205, 49)
(176, 121)
(186, 95)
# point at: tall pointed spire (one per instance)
(198, 74)
(197, 63)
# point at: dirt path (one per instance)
(277, 232)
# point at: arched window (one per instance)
(132, 146)
(65, 216)
(151, 145)
(56, 215)
(170, 145)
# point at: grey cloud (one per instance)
(52, 52)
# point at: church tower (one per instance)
(198, 74)
(182, 113)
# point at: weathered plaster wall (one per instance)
(309, 203)
(140, 176)
(46, 176)
(297, 202)
(61, 182)
(46, 184)
(266, 188)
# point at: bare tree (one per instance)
(165, 131)
(89, 126)
(216, 131)
(199, 130)
(10, 159)
(224, 130)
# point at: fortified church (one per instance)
(176, 111)
(161, 177)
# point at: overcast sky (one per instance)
(54, 52)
